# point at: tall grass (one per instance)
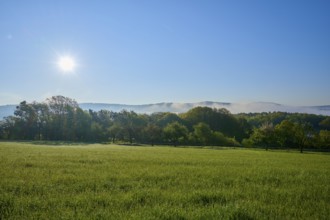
(122, 182)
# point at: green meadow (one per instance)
(95, 181)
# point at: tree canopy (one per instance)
(60, 118)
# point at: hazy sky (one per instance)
(138, 52)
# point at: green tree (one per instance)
(175, 131)
(62, 110)
(131, 124)
(96, 131)
(294, 134)
(218, 120)
(9, 128)
(324, 139)
(285, 134)
(304, 134)
(162, 119)
(83, 125)
(114, 131)
(264, 136)
(220, 139)
(26, 120)
(325, 124)
(203, 133)
(152, 133)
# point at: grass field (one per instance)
(126, 182)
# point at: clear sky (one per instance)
(139, 52)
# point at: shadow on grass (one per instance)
(59, 143)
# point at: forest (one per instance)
(60, 118)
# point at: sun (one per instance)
(66, 64)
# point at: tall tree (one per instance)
(304, 133)
(175, 132)
(203, 133)
(62, 110)
(131, 124)
(152, 133)
(285, 133)
(26, 120)
(324, 139)
(114, 131)
(264, 136)
(325, 123)
(218, 120)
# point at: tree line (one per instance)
(60, 118)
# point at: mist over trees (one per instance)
(61, 119)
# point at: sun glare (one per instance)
(67, 64)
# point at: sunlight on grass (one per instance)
(121, 182)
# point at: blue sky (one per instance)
(138, 52)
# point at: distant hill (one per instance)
(234, 108)
(151, 108)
